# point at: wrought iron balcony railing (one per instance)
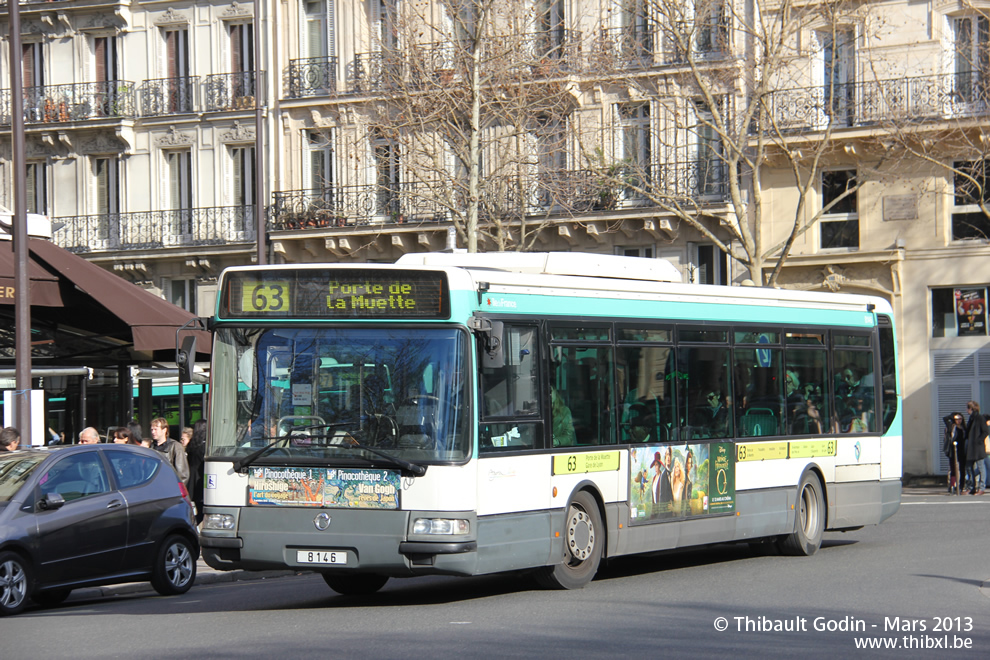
(697, 41)
(168, 96)
(312, 76)
(567, 192)
(218, 225)
(870, 103)
(374, 72)
(74, 102)
(344, 206)
(627, 47)
(234, 91)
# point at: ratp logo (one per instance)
(859, 450)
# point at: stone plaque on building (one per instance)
(900, 207)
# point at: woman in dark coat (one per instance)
(976, 433)
(196, 454)
(955, 443)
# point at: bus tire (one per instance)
(356, 584)
(584, 537)
(809, 519)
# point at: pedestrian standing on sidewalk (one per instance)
(172, 449)
(976, 435)
(196, 453)
(955, 440)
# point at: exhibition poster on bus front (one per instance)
(680, 481)
(323, 487)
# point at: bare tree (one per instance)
(468, 90)
(734, 109)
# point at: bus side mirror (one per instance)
(493, 356)
(185, 358)
(490, 332)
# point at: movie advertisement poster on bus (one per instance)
(362, 489)
(286, 486)
(680, 481)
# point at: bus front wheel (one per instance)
(584, 535)
(359, 584)
(809, 523)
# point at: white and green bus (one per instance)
(466, 414)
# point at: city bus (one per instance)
(467, 414)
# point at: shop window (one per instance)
(959, 311)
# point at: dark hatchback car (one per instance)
(88, 515)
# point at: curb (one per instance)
(207, 577)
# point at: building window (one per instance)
(179, 192)
(634, 146)
(242, 170)
(971, 57)
(106, 178)
(318, 39)
(37, 188)
(242, 60)
(387, 177)
(839, 73)
(182, 293)
(707, 264)
(318, 166)
(959, 311)
(840, 220)
(178, 88)
(645, 252)
(970, 182)
(709, 154)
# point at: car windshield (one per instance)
(401, 391)
(15, 468)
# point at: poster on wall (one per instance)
(669, 482)
(971, 312)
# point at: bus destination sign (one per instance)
(308, 293)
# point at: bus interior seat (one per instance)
(758, 422)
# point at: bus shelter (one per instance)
(89, 329)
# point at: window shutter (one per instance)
(102, 185)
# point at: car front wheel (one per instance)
(175, 568)
(15, 583)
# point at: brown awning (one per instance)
(43, 287)
(153, 321)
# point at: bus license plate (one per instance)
(321, 556)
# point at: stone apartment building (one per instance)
(851, 135)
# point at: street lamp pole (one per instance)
(259, 156)
(22, 298)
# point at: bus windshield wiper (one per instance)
(242, 463)
(349, 441)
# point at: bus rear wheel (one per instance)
(809, 520)
(359, 584)
(584, 535)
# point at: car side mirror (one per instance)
(51, 501)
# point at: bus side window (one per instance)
(583, 413)
(509, 396)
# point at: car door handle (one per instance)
(115, 504)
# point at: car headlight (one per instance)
(218, 521)
(441, 526)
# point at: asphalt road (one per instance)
(920, 579)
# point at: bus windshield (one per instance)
(400, 391)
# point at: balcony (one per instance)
(348, 206)
(875, 103)
(234, 91)
(708, 42)
(313, 76)
(168, 96)
(544, 54)
(627, 47)
(375, 72)
(570, 192)
(143, 230)
(74, 102)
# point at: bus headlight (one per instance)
(448, 526)
(218, 521)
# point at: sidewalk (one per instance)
(204, 575)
